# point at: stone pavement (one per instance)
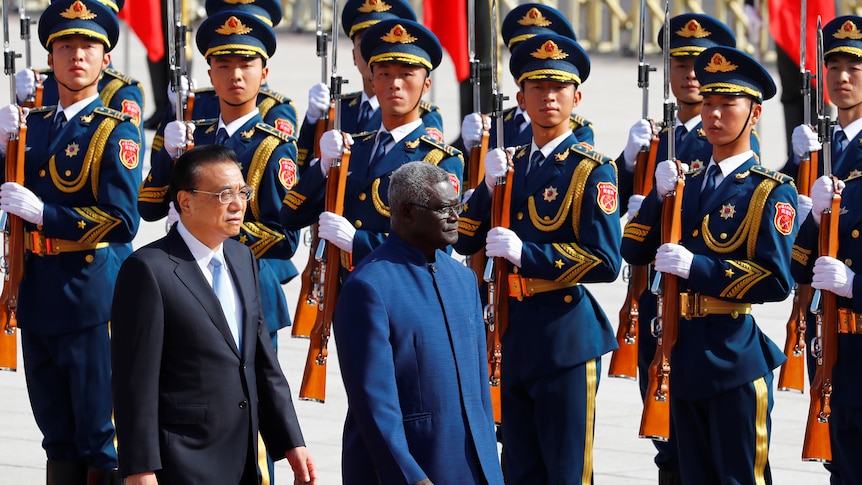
(612, 101)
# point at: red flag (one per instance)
(448, 20)
(784, 25)
(145, 19)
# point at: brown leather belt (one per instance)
(849, 321)
(693, 305)
(520, 287)
(38, 244)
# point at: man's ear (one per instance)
(184, 198)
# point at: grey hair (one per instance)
(409, 184)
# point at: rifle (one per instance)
(475, 165)
(792, 375)
(496, 272)
(311, 278)
(13, 229)
(177, 32)
(824, 305)
(313, 386)
(327, 122)
(624, 360)
(655, 420)
(34, 100)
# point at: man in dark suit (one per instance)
(194, 372)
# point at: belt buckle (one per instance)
(690, 303)
(516, 286)
(37, 243)
(855, 323)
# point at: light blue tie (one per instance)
(223, 291)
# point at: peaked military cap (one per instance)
(400, 40)
(728, 71)
(267, 10)
(115, 5)
(235, 33)
(692, 33)
(531, 19)
(358, 15)
(550, 58)
(842, 36)
(79, 17)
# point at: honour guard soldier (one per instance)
(277, 110)
(565, 231)
(360, 110)
(521, 23)
(401, 55)
(738, 225)
(81, 175)
(117, 90)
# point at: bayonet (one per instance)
(669, 104)
(824, 124)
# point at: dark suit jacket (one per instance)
(186, 402)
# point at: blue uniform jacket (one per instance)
(846, 164)
(350, 110)
(366, 199)
(268, 164)
(566, 216)
(411, 346)
(87, 178)
(846, 391)
(580, 126)
(741, 238)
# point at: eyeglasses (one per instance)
(227, 196)
(443, 211)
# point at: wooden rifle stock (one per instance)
(313, 387)
(497, 276)
(307, 305)
(624, 360)
(792, 374)
(655, 421)
(323, 125)
(14, 257)
(817, 445)
(475, 177)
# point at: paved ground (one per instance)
(612, 102)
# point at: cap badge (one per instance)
(233, 26)
(398, 35)
(78, 11)
(549, 50)
(848, 30)
(534, 17)
(374, 6)
(719, 63)
(693, 28)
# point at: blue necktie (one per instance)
(365, 113)
(838, 142)
(535, 159)
(679, 134)
(223, 291)
(383, 139)
(221, 136)
(59, 123)
(709, 182)
(511, 133)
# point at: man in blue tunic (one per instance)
(81, 175)
(411, 346)
(565, 231)
(738, 225)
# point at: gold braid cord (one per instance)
(572, 200)
(258, 168)
(265, 106)
(381, 208)
(107, 93)
(92, 161)
(747, 231)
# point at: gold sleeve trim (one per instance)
(266, 238)
(158, 143)
(583, 262)
(257, 168)
(751, 274)
(103, 223)
(636, 231)
(152, 194)
(293, 200)
(468, 227)
(381, 208)
(92, 161)
(747, 230)
(800, 255)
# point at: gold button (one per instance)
(855, 233)
(694, 233)
(734, 314)
(42, 172)
(89, 258)
(362, 196)
(520, 216)
(68, 173)
(723, 235)
(546, 218)
(357, 224)
(848, 262)
(567, 298)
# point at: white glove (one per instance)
(331, 147)
(634, 206)
(318, 102)
(496, 164)
(640, 135)
(666, 175)
(833, 275)
(504, 243)
(173, 215)
(10, 121)
(674, 259)
(185, 84)
(21, 201)
(804, 204)
(337, 230)
(821, 196)
(467, 194)
(471, 129)
(177, 136)
(804, 140)
(25, 84)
